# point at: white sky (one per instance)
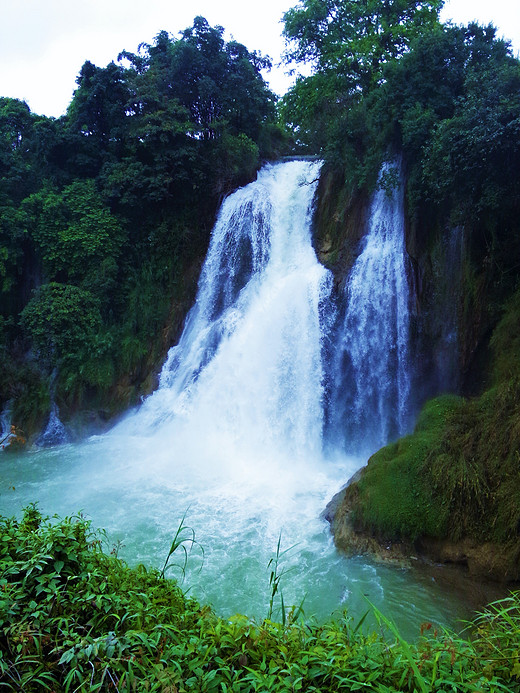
(43, 43)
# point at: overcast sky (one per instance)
(43, 43)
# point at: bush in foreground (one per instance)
(74, 618)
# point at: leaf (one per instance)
(406, 648)
(67, 656)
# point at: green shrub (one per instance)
(60, 319)
(505, 342)
(457, 470)
(74, 618)
(28, 389)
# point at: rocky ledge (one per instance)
(487, 560)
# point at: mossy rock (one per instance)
(395, 498)
(452, 488)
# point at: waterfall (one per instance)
(55, 432)
(5, 419)
(248, 369)
(371, 364)
(232, 439)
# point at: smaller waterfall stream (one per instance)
(5, 419)
(371, 368)
(55, 432)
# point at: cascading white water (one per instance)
(248, 368)
(55, 432)
(234, 432)
(371, 365)
(5, 419)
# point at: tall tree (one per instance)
(98, 108)
(356, 37)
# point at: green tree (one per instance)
(356, 37)
(61, 320)
(471, 162)
(473, 157)
(18, 174)
(349, 44)
(26, 142)
(98, 109)
(73, 230)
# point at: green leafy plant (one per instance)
(381, 618)
(275, 577)
(184, 537)
(73, 618)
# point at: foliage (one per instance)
(98, 109)
(184, 536)
(355, 38)
(444, 97)
(117, 198)
(447, 482)
(75, 618)
(61, 318)
(453, 104)
(470, 152)
(277, 572)
(505, 342)
(209, 85)
(350, 45)
(395, 498)
(74, 232)
(19, 149)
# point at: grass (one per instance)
(456, 476)
(395, 497)
(75, 618)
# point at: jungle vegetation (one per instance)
(74, 617)
(116, 198)
(101, 207)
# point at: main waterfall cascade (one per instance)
(234, 436)
(251, 367)
(248, 369)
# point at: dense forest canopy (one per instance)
(355, 38)
(391, 76)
